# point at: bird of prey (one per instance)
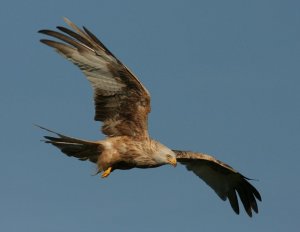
(122, 104)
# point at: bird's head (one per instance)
(164, 155)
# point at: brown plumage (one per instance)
(122, 103)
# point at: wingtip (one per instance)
(44, 41)
(249, 214)
(67, 21)
(45, 31)
(41, 31)
(258, 196)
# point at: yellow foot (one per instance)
(106, 172)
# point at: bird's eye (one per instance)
(169, 156)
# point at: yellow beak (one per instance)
(172, 161)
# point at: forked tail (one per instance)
(81, 149)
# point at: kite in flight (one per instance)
(122, 104)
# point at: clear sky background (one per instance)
(224, 78)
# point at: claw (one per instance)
(106, 172)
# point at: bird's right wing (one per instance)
(222, 178)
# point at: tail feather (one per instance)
(81, 149)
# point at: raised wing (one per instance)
(122, 103)
(222, 178)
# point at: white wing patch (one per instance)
(97, 73)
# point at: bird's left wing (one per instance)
(122, 103)
(222, 178)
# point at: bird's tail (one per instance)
(81, 149)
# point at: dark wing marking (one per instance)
(122, 103)
(222, 178)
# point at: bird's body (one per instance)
(122, 104)
(119, 152)
(124, 153)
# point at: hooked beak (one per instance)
(172, 161)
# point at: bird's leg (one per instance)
(106, 172)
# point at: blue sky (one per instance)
(224, 78)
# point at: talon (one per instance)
(106, 172)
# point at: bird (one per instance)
(122, 104)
